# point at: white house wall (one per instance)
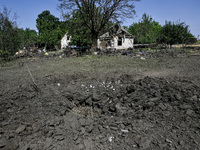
(65, 42)
(126, 43)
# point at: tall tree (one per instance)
(146, 31)
(9, 41)
(176, 33)
(50, 29)
(97, 13)
(80, 34)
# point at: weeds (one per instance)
(94, 67)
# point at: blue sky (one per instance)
(161, 10)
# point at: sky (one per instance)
(160, 10)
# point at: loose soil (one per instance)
(104, 103)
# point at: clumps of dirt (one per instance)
(149, 113)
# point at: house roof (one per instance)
(116, 30)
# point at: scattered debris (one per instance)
(110, 139)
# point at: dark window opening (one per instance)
(109, 43)
(120, 41)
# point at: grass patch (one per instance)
(93, 66)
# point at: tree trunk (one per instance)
(94, 41)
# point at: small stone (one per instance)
(87, 143)
(32, 146)
(125, 131)
(2, 143)
(145, 142)
(10, 110)
(82, 121)
(35, 127)
(113, 128)
(78, 141)
(112, 109)
(182, 143)
(1, 118)
(134, 146)
(48, 143)
(80, 146)
(26, 147)
(110, 139)
(11, 135)
(59, 138)
(168, 141)
(162, 106)
(29, 128)
(90, 129)
(82, 131)
(20, 129)
(189, 112)
(195, 97)
(75, 137)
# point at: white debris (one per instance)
(117, 82)
(134, 146)
(168, 141)
(125, 131)
(142, 58)
(58, 84)
(110, 138)
(108, 85)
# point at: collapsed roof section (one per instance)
(115, 30)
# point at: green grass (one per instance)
(93, 66)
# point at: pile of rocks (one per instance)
(150, 113)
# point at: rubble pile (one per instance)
(149, 113)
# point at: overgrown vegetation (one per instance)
(149, 31)
(13, 38)
(9, 41)
(146, 31)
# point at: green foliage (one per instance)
(145, 31)
(9, 41)
(80, 33)
(51, 30)
(27, 37)
(176, 33)
(150, 31)
(190, 39)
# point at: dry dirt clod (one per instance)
(20, 129)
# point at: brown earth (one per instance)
(93, 103)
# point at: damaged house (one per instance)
(116, 37)
(65, 41)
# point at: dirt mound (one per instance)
(150, 113)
